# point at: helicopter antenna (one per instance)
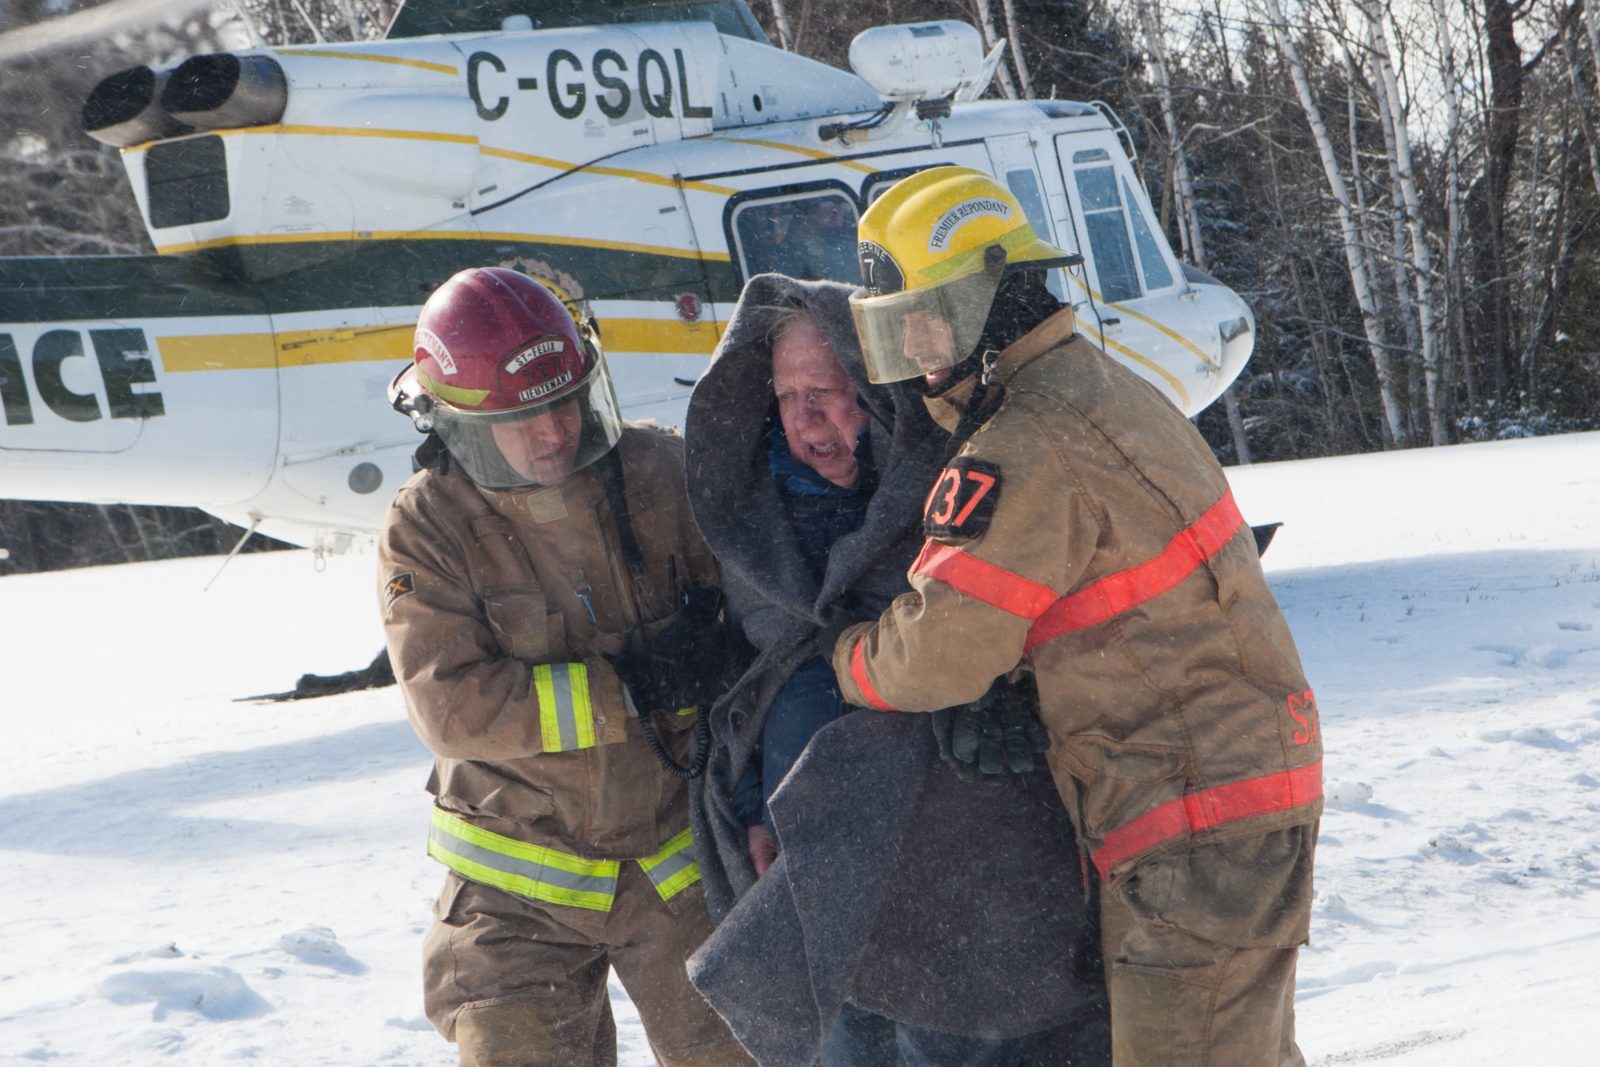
(255, 520)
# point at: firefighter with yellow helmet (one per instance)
(1085, 534)
(552, 618)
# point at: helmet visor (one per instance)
(544, 444)
(920, 331)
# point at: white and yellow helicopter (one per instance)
(642, 158)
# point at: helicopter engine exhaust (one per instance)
(124, 109)
(221, 91)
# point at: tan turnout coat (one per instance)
(481, 586)
(1086, 531)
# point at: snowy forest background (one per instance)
(1406, 192)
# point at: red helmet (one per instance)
(515, 387)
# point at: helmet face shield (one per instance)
(514, 384)
(919, 331)
(539, 445)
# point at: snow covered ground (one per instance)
(191, 879)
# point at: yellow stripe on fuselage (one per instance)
(400, 61)
(614, 172)
(332, 131)
(442, 235)
(229, 351)
(1170, 332)
(1147, 320)
(1145, 361)
(656, 336)
(389, 344)
(809, 153)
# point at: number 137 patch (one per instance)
(963, 499)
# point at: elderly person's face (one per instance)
(816, 402)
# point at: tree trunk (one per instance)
(986, 24)
(781, 17)
(1403, 178)
(1355, 256)
(1503, 128)
(1014, 35)
(1454, 284)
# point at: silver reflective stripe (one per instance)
(561, 696)
(675, 868)
(566, 713)
(534, 871)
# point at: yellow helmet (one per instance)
(933, 250)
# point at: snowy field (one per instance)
(189, 879)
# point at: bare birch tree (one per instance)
(986, 23)
(1404, 178)
(1014, 34)
(780, 18)
(1354, 249)
(1188, 210)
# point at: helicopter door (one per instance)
(1127, 259)
(337, 458)
(1013, 162)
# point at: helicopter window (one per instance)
(1156, 274)
(1025, 187)
(187, 181)
(881, 182)
(1108, 229)
(419, 18)
(806, 236)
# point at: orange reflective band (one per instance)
(978, 578)
(1120, 592)
(1208, 809)
(858, 674)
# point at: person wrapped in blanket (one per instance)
(875, 906)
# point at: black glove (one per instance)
(690, 661)
(997, 734)
(835, 621)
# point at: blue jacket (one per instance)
(819, 513)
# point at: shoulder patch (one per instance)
(963, 499)
(400, 586)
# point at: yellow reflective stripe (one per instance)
(566, 714)
(532, 871)
(453, 394)
(544, 700)
(674, 868)
(964, 263)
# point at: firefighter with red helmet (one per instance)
(1084, 533)
(553, 622)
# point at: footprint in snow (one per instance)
(317, 945)
(169, 951)
(211, 992)
(1581, 627)
(1537, 736)
(1513, 656)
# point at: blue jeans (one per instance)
(861, 1039)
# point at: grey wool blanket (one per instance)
(949, 905)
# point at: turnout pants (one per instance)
(518, 983)
(1200, 948)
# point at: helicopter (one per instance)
(641, 158)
